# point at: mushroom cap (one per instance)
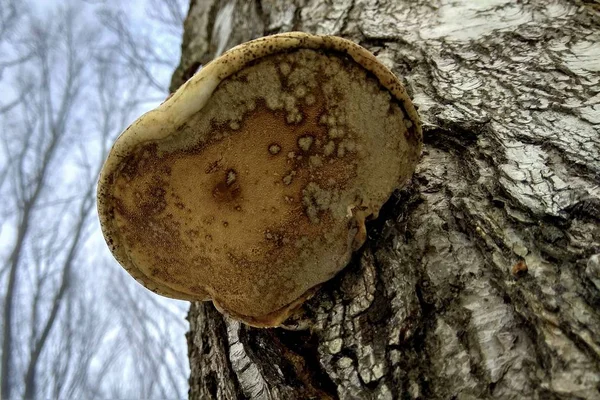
(251, 184)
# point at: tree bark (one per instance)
(481, 278)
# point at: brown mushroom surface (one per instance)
(250, 186)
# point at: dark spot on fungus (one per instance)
(213, 167)
(224, 192)
(153, 201)
(519, 269)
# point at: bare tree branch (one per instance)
(73, 92)
(31, 185)
(168, 13)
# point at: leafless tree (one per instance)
(168, 14)
(49, 110)
(139, 51)
(73, 93)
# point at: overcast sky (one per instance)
(95, 268)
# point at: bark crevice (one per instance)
(481, 278)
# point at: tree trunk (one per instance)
(481, 278)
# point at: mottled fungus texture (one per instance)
(250, 186)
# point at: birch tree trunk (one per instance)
(481, 278)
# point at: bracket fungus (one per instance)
(251, 184)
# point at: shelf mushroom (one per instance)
(251, 184)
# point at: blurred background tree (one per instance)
(73, 324)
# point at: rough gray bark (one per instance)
(481, 279)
